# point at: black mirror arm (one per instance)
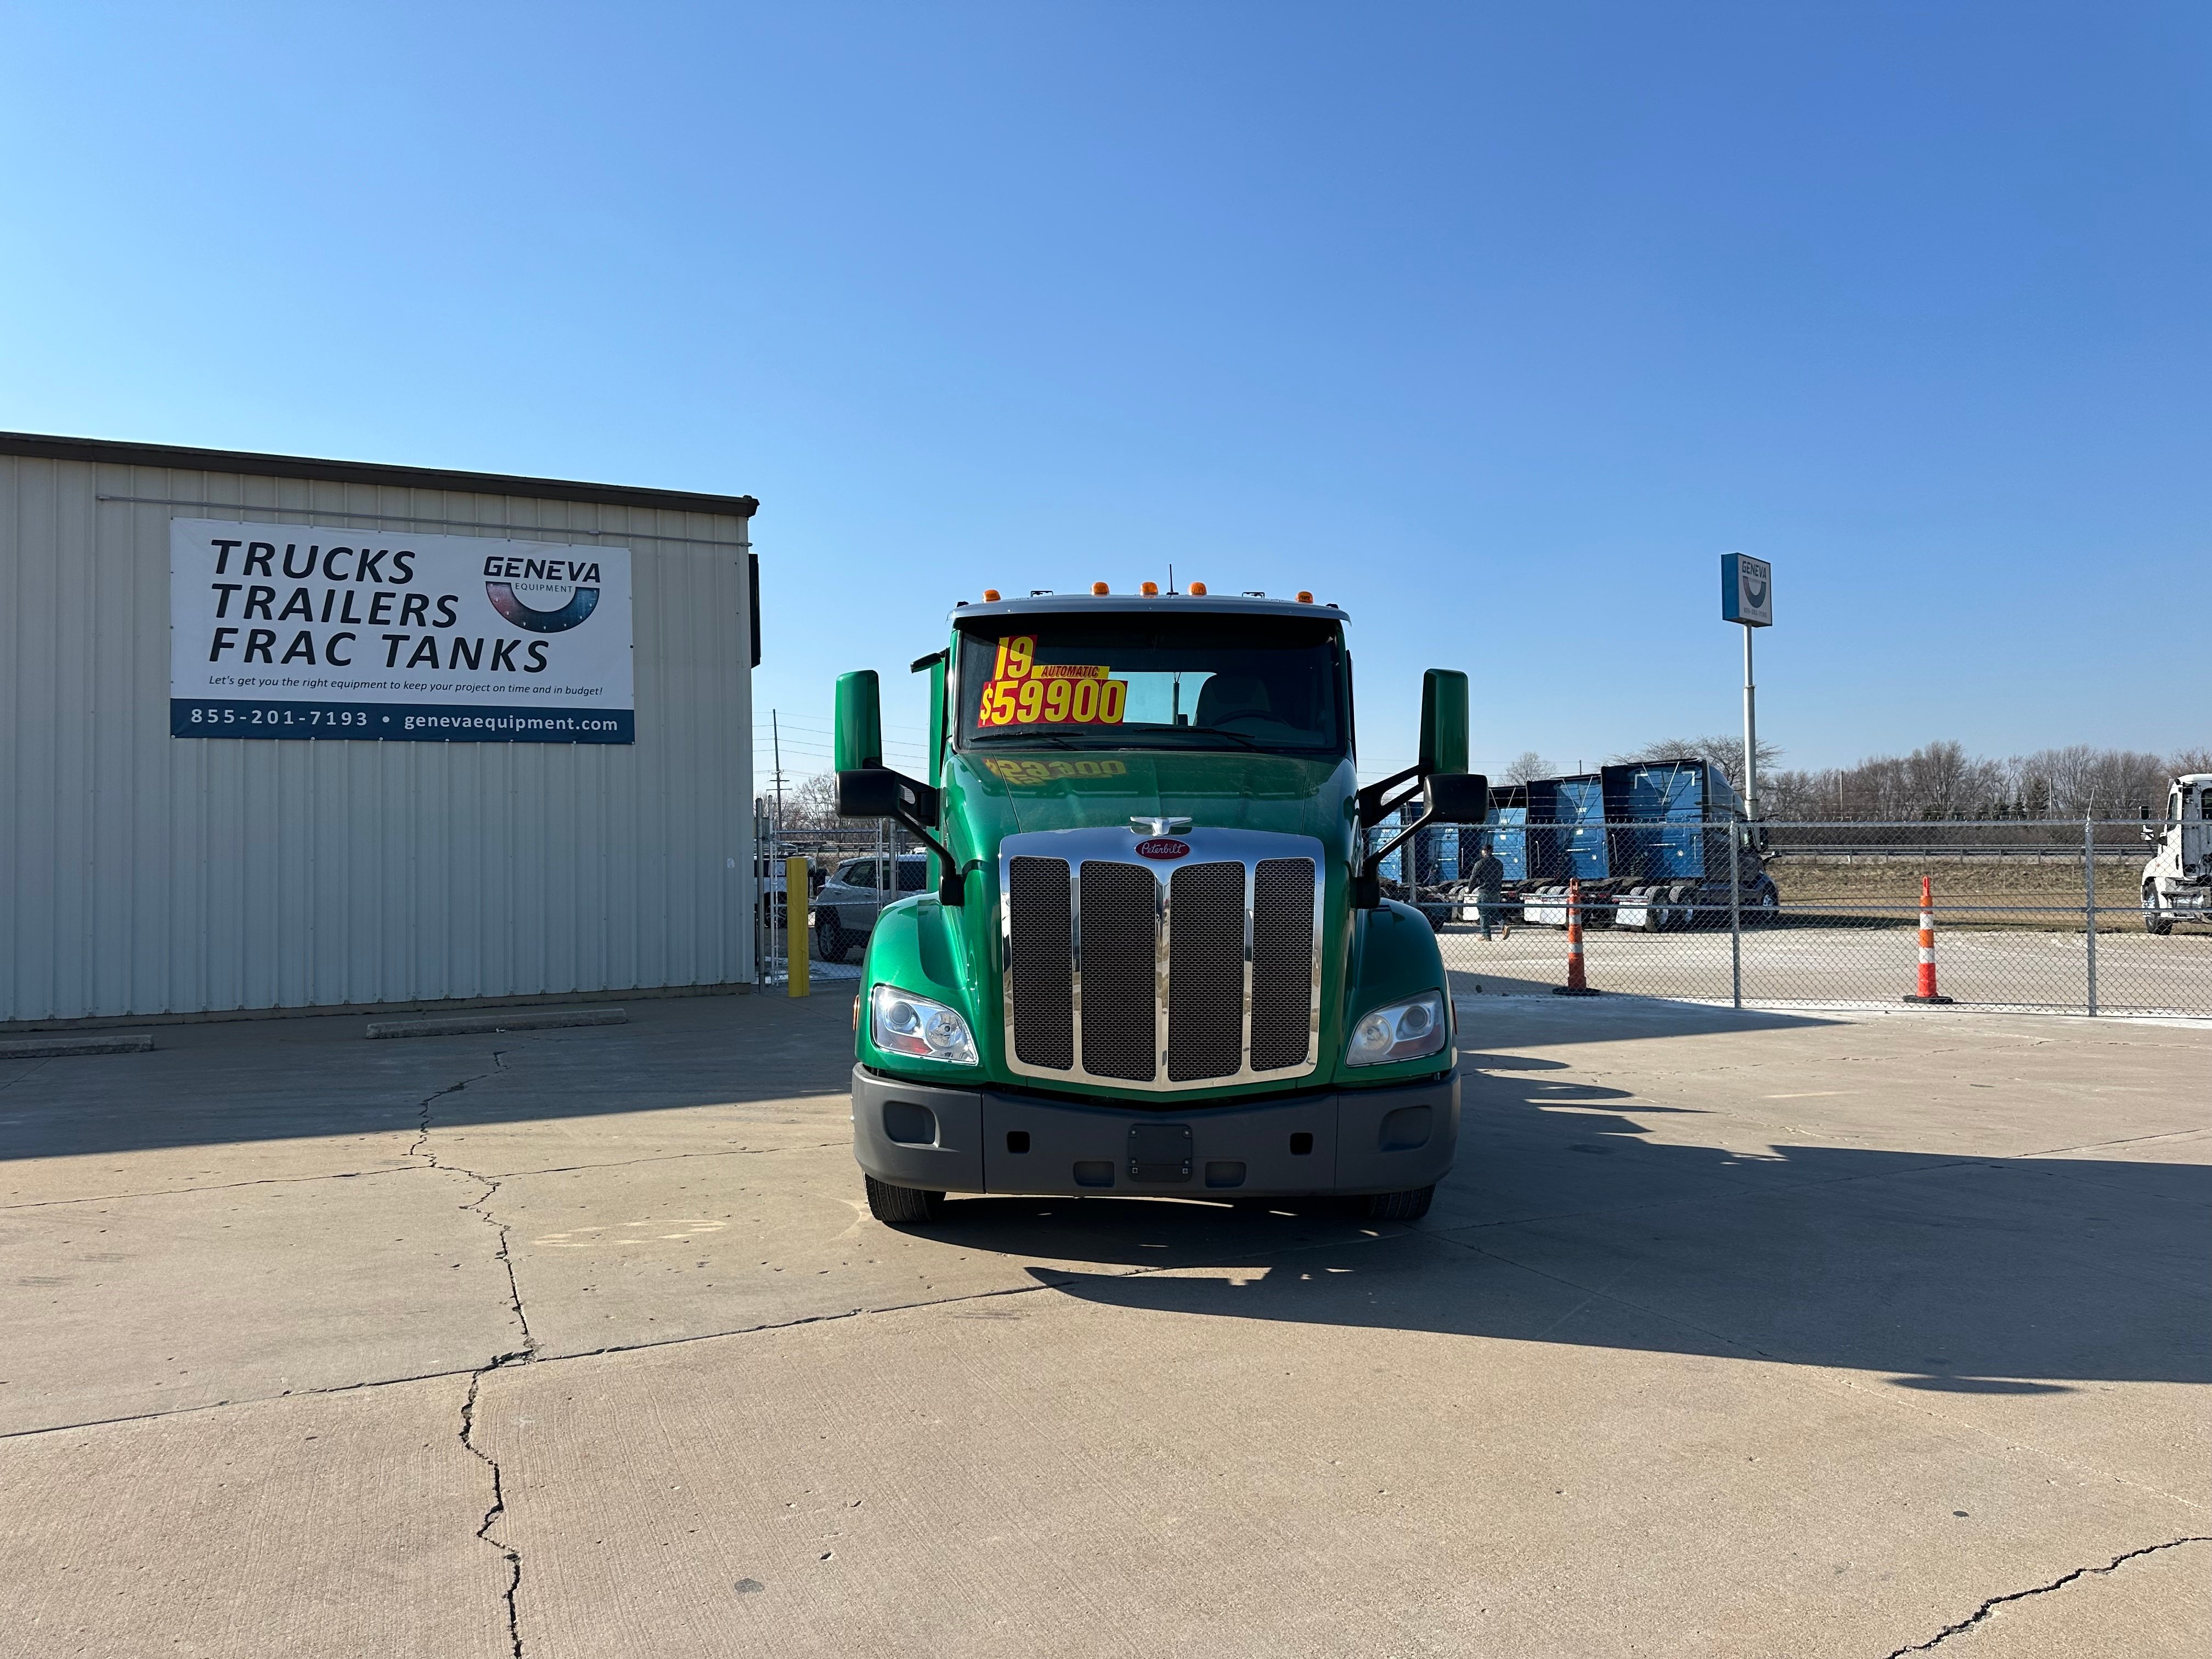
(1376, 803)
(915, 827)
(1373, 808)
(875, 792)
(1375, 859)
(952, 885)
(1367, 882)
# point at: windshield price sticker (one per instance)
(1022, 691)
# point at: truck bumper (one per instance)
(986, 1141)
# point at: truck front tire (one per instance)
(2155, 920)
(902, 1206)
(1400, 1206)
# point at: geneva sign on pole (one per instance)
(1748, 597)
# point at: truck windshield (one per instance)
(1200, 681)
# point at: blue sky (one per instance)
(1497, 324)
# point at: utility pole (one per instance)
(776, 740)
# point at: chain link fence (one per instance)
(868, 851)
(2030, 915)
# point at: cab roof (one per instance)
(1092, 605)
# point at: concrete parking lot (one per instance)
(1764, 1334)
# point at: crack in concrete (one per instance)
(417, 1168)
(2124, 1140)
(215, 1186)
(523, 1355)
(498, 1508)
(1996, 1602)
(421, 1149)
(2133, 1191)
(226, 1405)
(1058, 1277)
(677, 1158)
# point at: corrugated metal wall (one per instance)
(142, 873)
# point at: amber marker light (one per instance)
(1099, 587)
(1304, 597)
(990, 596)
(1150, 590)
(1199, 588)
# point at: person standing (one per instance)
(1488, 875)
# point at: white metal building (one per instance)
(386, 832)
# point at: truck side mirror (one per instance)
(866, 788)
(875, 792)
(1443, 721)
(1458, 797)
(859, 727)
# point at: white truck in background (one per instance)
(2176, 882)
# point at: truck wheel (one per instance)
(1677, 915)
(1400, 1206)
(902, 1206)
(2155, 920)
(828, 936)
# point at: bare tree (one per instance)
(1525, 767)
(811, 803)
(1941, 780)
(2079, 780)
(1724, 752)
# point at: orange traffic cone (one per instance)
(1927, 992)
(1576, 985)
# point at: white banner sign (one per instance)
(297, 630)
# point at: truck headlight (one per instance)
(1404, 1030)
(912, 1025)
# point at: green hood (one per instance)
(991, 796)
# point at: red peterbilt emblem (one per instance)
(1163, 846)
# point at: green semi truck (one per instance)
(1152, 956)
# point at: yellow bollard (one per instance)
(795, 947)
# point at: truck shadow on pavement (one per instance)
(1565, 1222)
(762, 1058)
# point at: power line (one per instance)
(825, 726)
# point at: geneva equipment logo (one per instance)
(543, 596)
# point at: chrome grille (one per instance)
(1282, 962)
(1206, 971)
(1041, 963)
(1120, 1012)
(1165, 975)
